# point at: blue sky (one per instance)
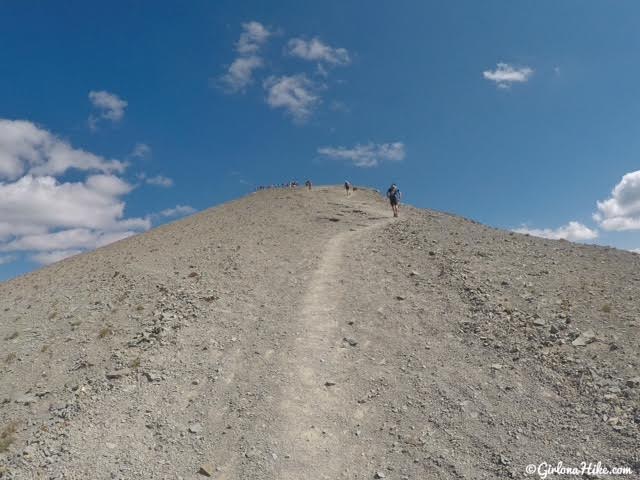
(118, 116)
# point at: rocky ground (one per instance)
(296, 334)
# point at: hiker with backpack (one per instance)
(347, 187)
(394, 194)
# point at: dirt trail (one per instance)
(314, 401)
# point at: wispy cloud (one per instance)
(368, 155)
(157, 180)
(4, 259)
(622, 210)
(573, 231)
(141, 150)
(177, 211)
(317, 51)
(239, 75)
(294, 94)
(109, 107)
(505, 75)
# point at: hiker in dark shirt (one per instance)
(347, 187)
(393, 194)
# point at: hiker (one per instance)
(308, 184)
(347, 187)
(394, 198)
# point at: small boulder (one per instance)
(584, 338)
(206, 470)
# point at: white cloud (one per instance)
(26, 148)
(253, 36)
(141, 150)
(47, 258)
(109, 105)
(505, 75)
(622, 210)
(177, 211)
(369, 155)
(4, 259)
(43, 202)
(295, 94)
(40, 213)
(315, 50)
(108, 185)
(159, 181)
(573, 231)
(76, 238)
(240, 73)
(635, 250)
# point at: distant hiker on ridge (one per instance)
(347, 187)
(308, 184)
(394, 198)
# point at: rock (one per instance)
(118, 373)
(539, 322)
(400, 297)
(152, 377)
(584, 338)
(329, 383)
(379, 475)
(633, 382)
(414, 274)
(206, 470)
(350, 341)
(496, 366)
(195, 428)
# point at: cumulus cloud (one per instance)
(316, 50)
(239, 75)
(622, 210)
(27, 148)
(573, 231)
(294, 94)
(505, 75)
(368, 155)
(635, 250)
(253, 36)
(53, 218)
(141, 150)
(108, 105)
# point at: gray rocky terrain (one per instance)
(297, 335)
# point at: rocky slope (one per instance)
(296, 334)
